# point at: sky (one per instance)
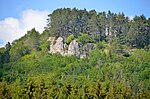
(19, 16)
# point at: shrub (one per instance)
(69, 38)
(84, 38)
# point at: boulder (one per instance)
(57, 47)
(83, 56)
(89, 47)
(73, 48)
(86, 49)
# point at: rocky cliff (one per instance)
(74, 48)
(57, 46)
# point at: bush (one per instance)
(101, 45)
(69, 38)
(84, 38)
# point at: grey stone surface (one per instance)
(74, 48)
(57, 47)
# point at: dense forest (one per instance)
(118, 67)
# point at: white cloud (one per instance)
(131, 17)
(12, 28)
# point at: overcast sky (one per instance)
(19, 16)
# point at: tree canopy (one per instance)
(117, 67)
(100, 26)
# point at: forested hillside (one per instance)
(117, 67)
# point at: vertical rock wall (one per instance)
(74, 48)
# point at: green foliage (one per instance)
(107, 72)
(100, 26)
(101, 45)
(84, 38)
(138, 35)
(45, 46)
(69, 38)
(6, 55)
(111, 75)
(42, 40)
(18, 50)
(4, 91)
(25, 45)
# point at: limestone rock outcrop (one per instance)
(86, 49)
(58, 46)
(89, 47)
(74, 48)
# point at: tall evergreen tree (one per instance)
(92, 25)
(25, 44)
(138, 32)
(101, 18)
(6, 55)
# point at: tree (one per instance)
(138, 35)
(2, 50)
(6, 55)
(4, 91)
(92, 24)
(101, 18)
(84, 38)
(58, 24)
(18, 50)
(25, 44)
(32, 39)
(121, 27)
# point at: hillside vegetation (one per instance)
(118, 66)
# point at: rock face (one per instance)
(89, 47)
(57, 47)
(73, 48)
(86, 49)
